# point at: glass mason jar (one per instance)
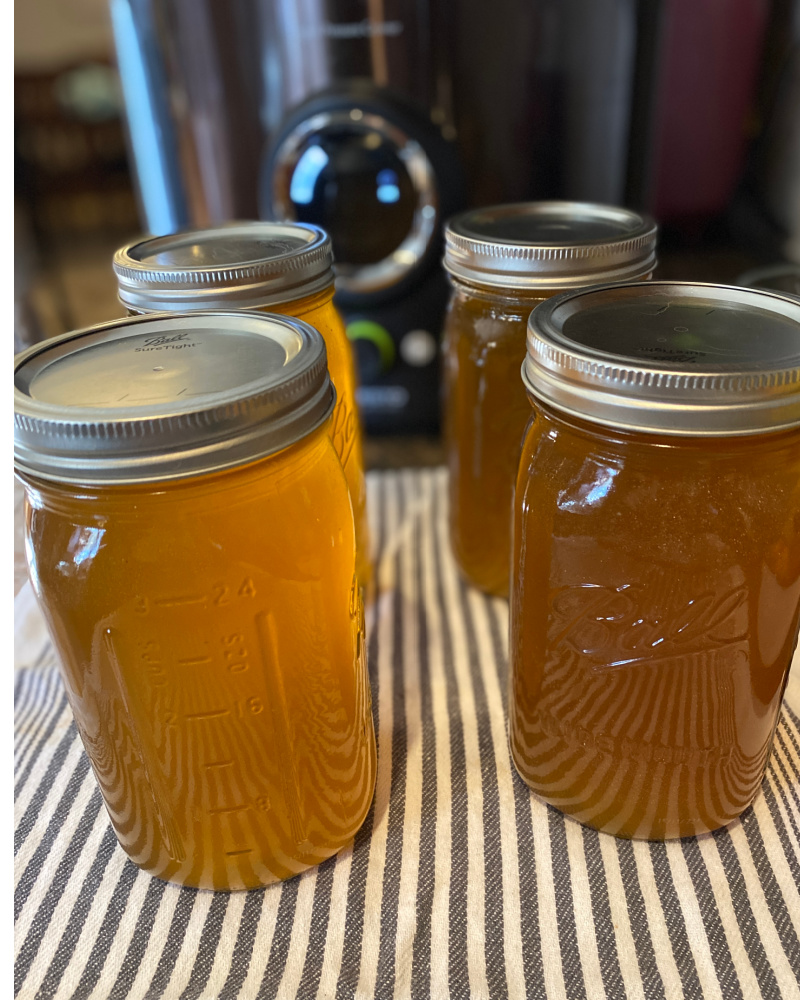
(274, 267)
(655, 587)
(502, 262)
(191, 543)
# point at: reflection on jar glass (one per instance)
(502, 262)
(655, 588)
(203, 601)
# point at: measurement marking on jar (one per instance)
(218, 763)
(199, 716)
(171, 602)
(227, 809)
(193, 661)
(246, 850)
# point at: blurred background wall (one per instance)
(153, 115)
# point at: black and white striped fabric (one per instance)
(460, 884)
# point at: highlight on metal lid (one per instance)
(668, 357)
(237, 265)
(549, 245)
(164, 397)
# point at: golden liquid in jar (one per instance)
(654, 613)
(211, 638)
(319, 311)
(486, 411)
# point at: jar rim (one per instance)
(667, 357)
(549, 244)
(242, 264)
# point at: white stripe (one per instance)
(187, 956)
(545, 890)
(476, 910)
(693, 920)
(223, 957)
(787, 809)
(148, 964)
(435, 537)
(509, 855)
(787, 979)
(776, 856)
(337, 917)
(51, 801)
(409, 861)
(63, 909)
(93, 925)
(262, 941)
(298, 943)
(44, 875)
(38, 704)
(122, 939)
(43, 760)
(727, 915)
(382, 609)
(657, 925)
(620, 919)
(584, 914)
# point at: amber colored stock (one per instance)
(211, 637)
(319, 311)
(486, 411)
(655, 599)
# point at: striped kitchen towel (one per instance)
(460, 884)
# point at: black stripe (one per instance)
(772, 891)
(530, 931)
(77, 918)
(744, 914)
(676, 926)
(37, 862)
(281, 939)
(715, 932)
(359, 865)
(426, 875)
(44, 913)
(245, 938)
(601, 914)
(458, 969)
(788, 726)
(637, 916)
(45, 786)
(172, 946)
(390, 896)
(494, 941)
(783, 835)
(318, 930)
(37, 695)
(207, 947)
(565, 907)
(34, 695)
(140, 940)
(107, 930)
(41, 743)
(790, 782)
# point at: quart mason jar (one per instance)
(655, 589)
(502, 262)
(191, 544)
(274, 267)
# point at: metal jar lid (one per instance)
(240, 265)
(548, 245)
(668, 357)
(153, 398)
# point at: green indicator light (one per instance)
(367, 329)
